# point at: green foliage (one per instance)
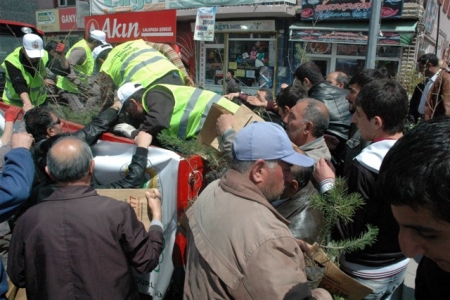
(191, 147)
(83, 117)
(338, 206)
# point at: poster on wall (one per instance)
(345, 9)
(204, 24)
(103, 7)
(47, 20)
(83, 10)
(430, 16)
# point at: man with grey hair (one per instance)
(78, 244)
(338, 79)
(306, 124)
(239, 246)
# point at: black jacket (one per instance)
(334, 99)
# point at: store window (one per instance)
(252, 58)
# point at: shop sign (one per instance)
(348, 37)
(199, 3)
(239, 26)
(68, 19)
(47, 20)
(103, 7)
(354, 9)
(155, 26)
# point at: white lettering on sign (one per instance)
(120, 30)
(69, 18)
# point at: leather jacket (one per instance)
(334, 99)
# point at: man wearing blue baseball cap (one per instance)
(239, 246)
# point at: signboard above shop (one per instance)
(392, 34)
(56, 20)
(348, 9)
(154, 26)
(102, 7)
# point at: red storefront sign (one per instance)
(68, 19)
(153, 26)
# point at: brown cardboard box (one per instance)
(136, 198)
(241, 118)
(337, 282)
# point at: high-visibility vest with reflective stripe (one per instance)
(136, 61)
(82, 71)
(191, 108)
(36, 88)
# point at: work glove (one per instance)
(124, 129)
(60, 48)
(12, 114)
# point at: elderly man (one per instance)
(77, 244)
(239, 246)
(381, 108)
(338, 79)
(306, 124)
(413, 180)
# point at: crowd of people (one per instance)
(248, 232)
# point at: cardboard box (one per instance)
(337, 282)
(241, 118)
(135, 197)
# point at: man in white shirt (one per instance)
(427, 64)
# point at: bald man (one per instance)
(306, 124)
(338, 79)
(77, 238)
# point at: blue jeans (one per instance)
(383, 288)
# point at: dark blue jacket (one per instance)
(15, 187)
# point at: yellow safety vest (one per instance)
(36, 88)
(135, 61)
(191, 108)
(82, 71)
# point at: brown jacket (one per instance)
(239, 247)
(77, 244)
(438, 101)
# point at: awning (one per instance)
(398, 33)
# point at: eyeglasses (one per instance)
(57, 122)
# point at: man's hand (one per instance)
(60, 48)
(154, 203)
(224, 123)
(323, 170)
(255, 101)
(49, 82)
(117, 105)
(12, 114)
(188, 81)
(124, 129)
(143, 139)
(27, 106)
(22, 140)
(231, 96)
